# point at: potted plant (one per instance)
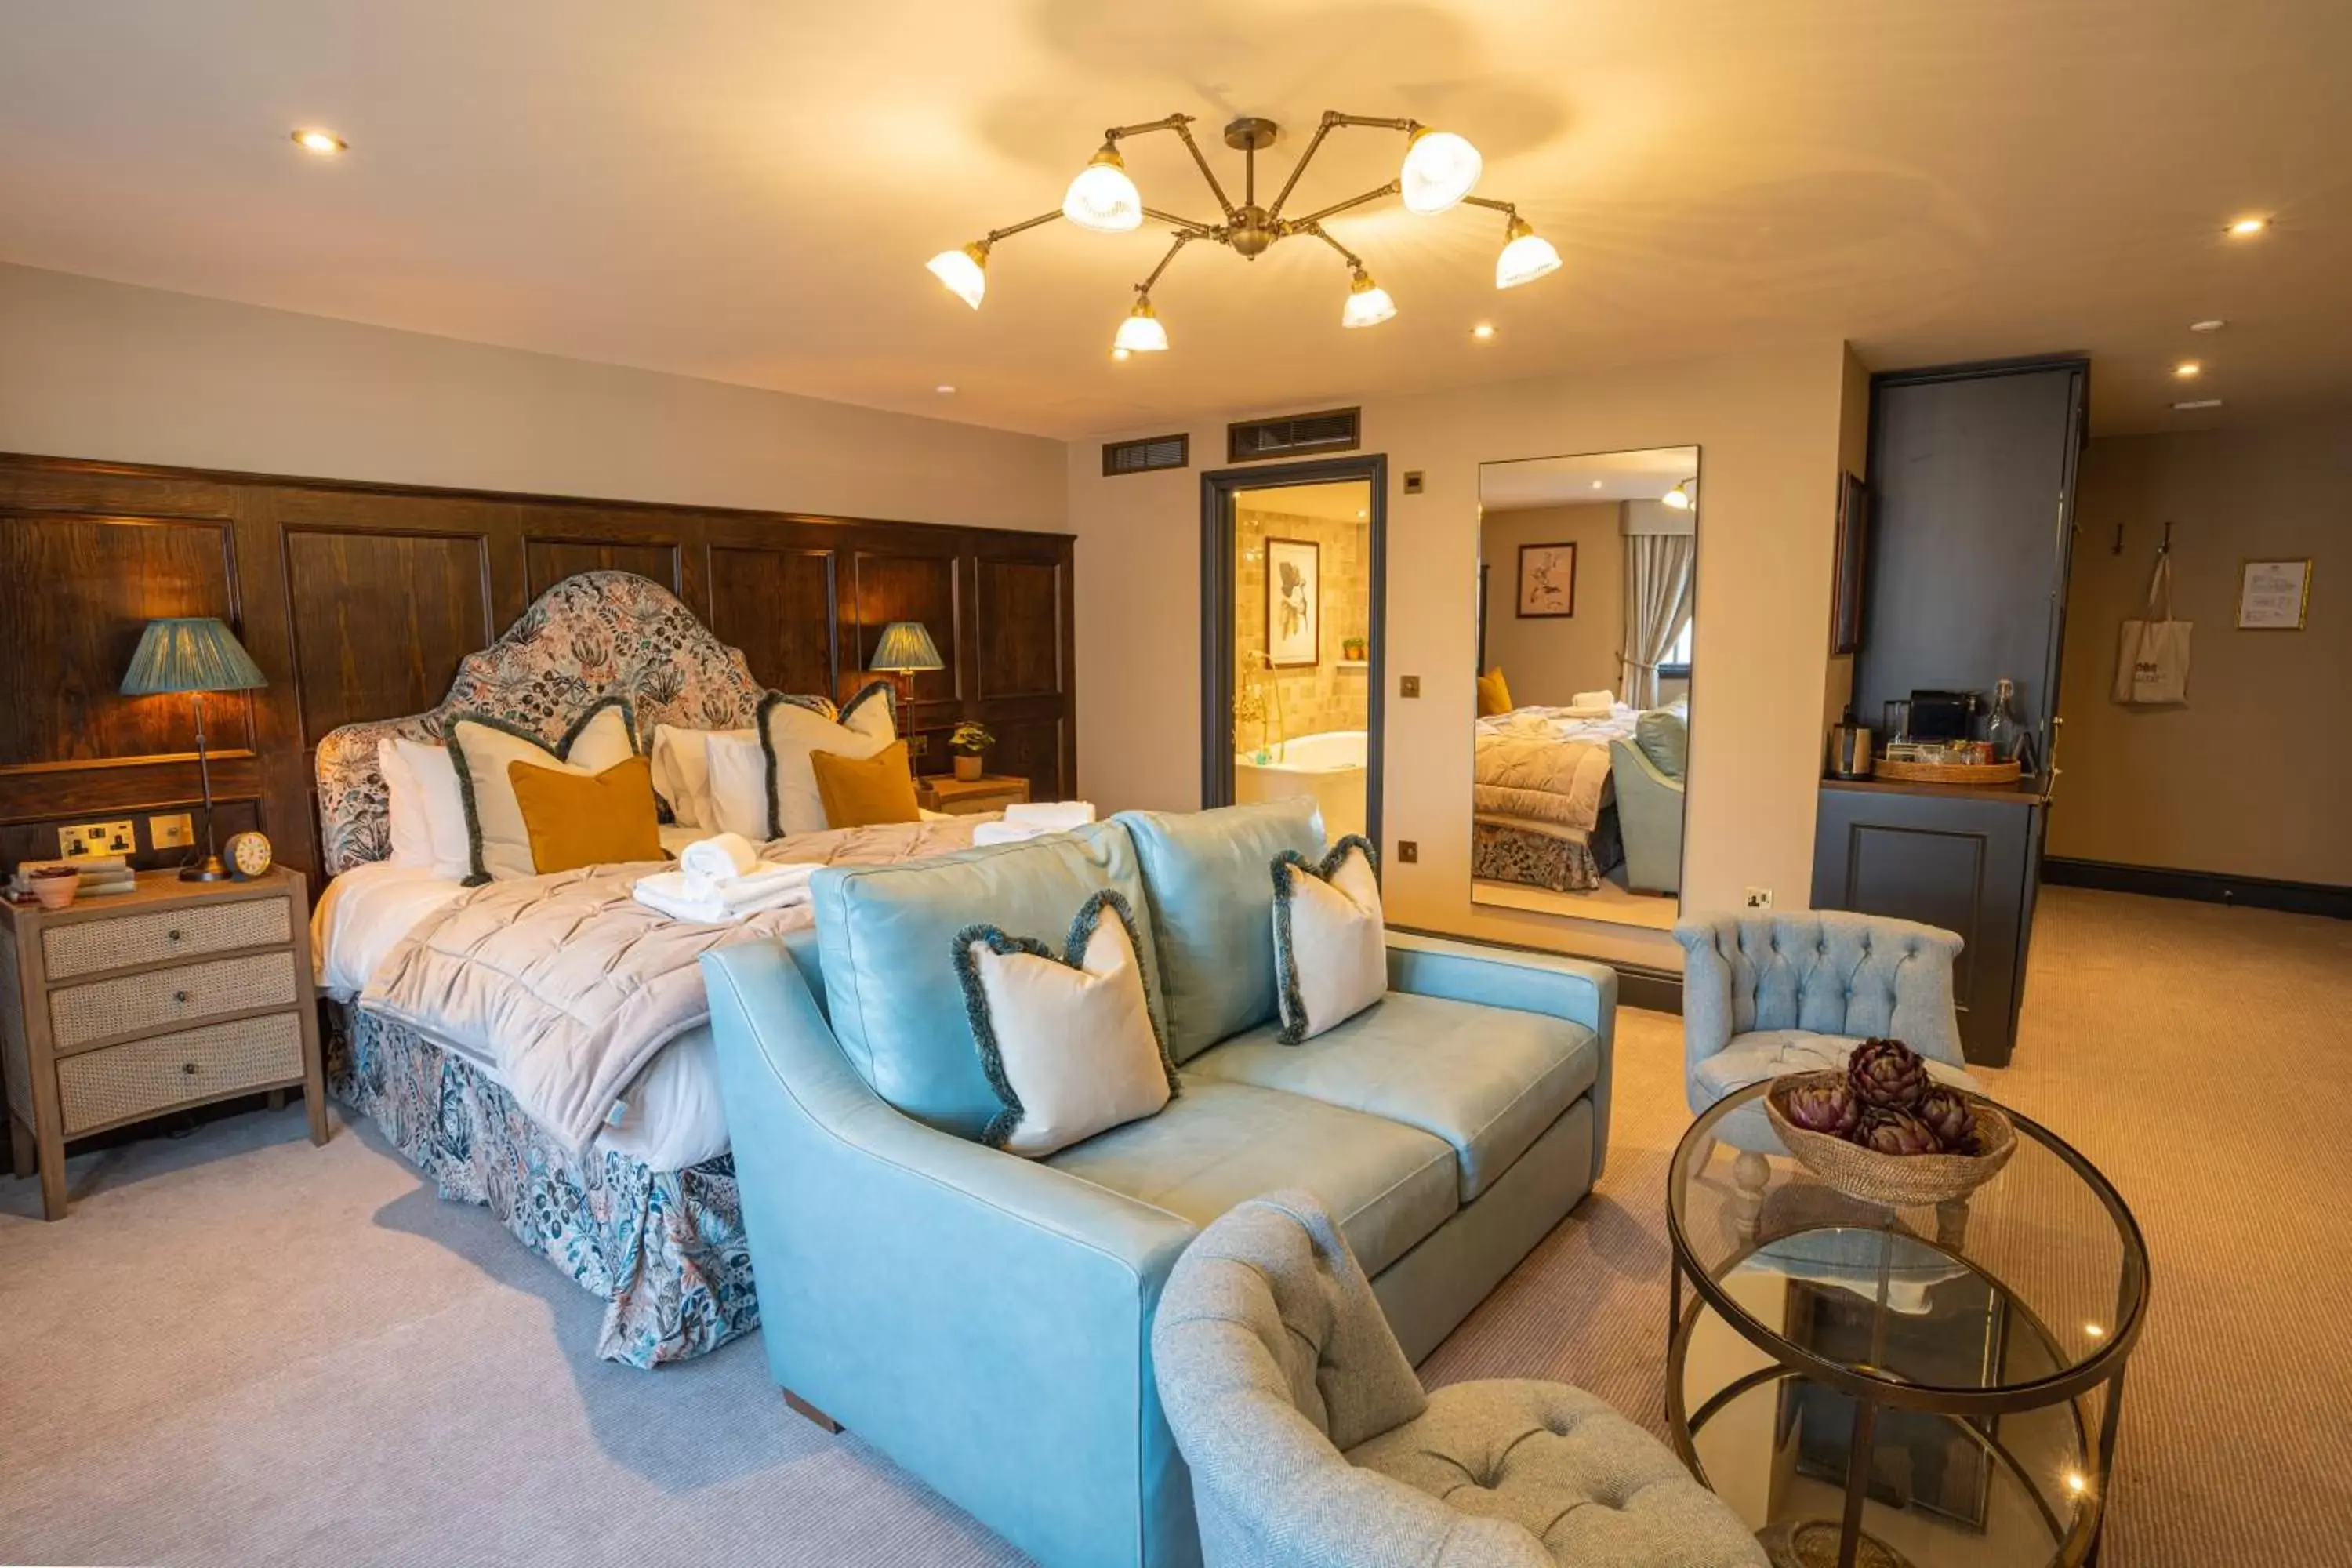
(968, 742)
(1354, 649)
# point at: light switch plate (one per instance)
(171, 831)
(1412, 481)
(87, 840)
(1409, 851)
(1408, 686)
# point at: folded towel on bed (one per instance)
(719, 858)
(676, 894)
(1051, 816)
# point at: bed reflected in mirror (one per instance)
(1588, 585)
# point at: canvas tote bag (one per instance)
(2152, 660)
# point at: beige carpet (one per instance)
(242, 1349)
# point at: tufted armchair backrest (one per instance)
(1827, 970)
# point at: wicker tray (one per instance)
(1896, 1180)
(1947, 772)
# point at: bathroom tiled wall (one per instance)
(1332, 695)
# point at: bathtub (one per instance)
(1330, 768)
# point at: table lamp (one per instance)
(195, 654)
(906, 648)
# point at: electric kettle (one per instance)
(1849, 748)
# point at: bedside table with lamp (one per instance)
(193, 987)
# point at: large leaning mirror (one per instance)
(1588, 585)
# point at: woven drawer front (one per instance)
(164, 997)
(96, 1088)
(88, 946)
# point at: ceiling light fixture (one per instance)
(944, 389)
(1483, 331)
(1679, 498)
(325, 144)
(1440, 170)
(2188, 370)
(1596, 484)
(2196, 403)
(2210, 325)
(2247, 227)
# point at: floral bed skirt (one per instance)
(1502, 853)
(664, 1249)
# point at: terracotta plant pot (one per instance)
(967, 767)
(56, 888)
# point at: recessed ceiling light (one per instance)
(2247, 227)
(1598, 483)
(2210, 325)
(2187, 370)
(1120, 354)
(1360, 511)
(325, 144)
(1483, 331)
(944, 389)
(2196, 403)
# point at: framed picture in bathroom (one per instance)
(1294, 602)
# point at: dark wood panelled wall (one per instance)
(359, 600)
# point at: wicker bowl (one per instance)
(1896, 1180)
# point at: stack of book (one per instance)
(101, 874)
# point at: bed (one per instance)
(1540, 796)
(637, 1201)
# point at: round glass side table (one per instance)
(1899, 1388)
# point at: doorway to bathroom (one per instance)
(1292, 591)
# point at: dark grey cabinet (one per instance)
(1964, 859)
(1972, 486)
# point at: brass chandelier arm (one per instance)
(1182, 240)
(1332, 120)
(1184, 136)
(1507, 209)
(993, 235)
(1197, 229)
(1309, 226)
(1183, 125)
(1391, 188)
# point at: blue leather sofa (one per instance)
(986, 1320)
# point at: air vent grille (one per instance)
(1147, 454)
(1333, 430)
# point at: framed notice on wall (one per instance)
(2273, 595)
(1546, 581)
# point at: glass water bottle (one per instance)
(2002, 732)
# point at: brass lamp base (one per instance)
(209, 870)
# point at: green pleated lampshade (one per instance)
(906, 644)
(190, 653)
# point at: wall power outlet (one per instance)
(85, 840)
(1759, 898)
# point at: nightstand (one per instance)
(968, 797)
(127, 1005)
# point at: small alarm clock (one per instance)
(249, 855)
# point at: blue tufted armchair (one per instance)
(1774, 994)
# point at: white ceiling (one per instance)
(1531, 482)
(748, 191)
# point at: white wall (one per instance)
(93, 369)
(1768, 426)
(1547, 661)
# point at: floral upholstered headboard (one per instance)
(598, 635)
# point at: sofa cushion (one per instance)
(886, 937)
(1564, 1465)
(1487, 1080)
(1775, 1052)
(1209, 875)
(1219, 1143)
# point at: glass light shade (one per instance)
(1440, 169)
(1678, 498)
(965, 272)
(1141, 333)
(1367, 303)
(1103, 198)
(905, 646)
(1527, 256)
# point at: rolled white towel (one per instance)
(669, 893)
(765, 882)
(1052, 816)
(1603, 701)
(719, 858)
(989, 833)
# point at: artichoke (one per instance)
(1945, 1112)
(1828, 1107)
(1886, 1073)
(1896, 1133)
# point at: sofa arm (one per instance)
(1575, 989)
(982, 1318)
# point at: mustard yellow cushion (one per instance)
(588, 819)
(860, 791)
(1494, 693)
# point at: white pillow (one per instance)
(738, 775)
(1330, 950)
(681, 771)
(498, 841)
(427, 807)
(1068, 1043)
(789, 732)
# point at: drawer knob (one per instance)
(184, 997)
(188, 1068)
(171, 936)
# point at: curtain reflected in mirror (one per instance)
(1588, 599)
